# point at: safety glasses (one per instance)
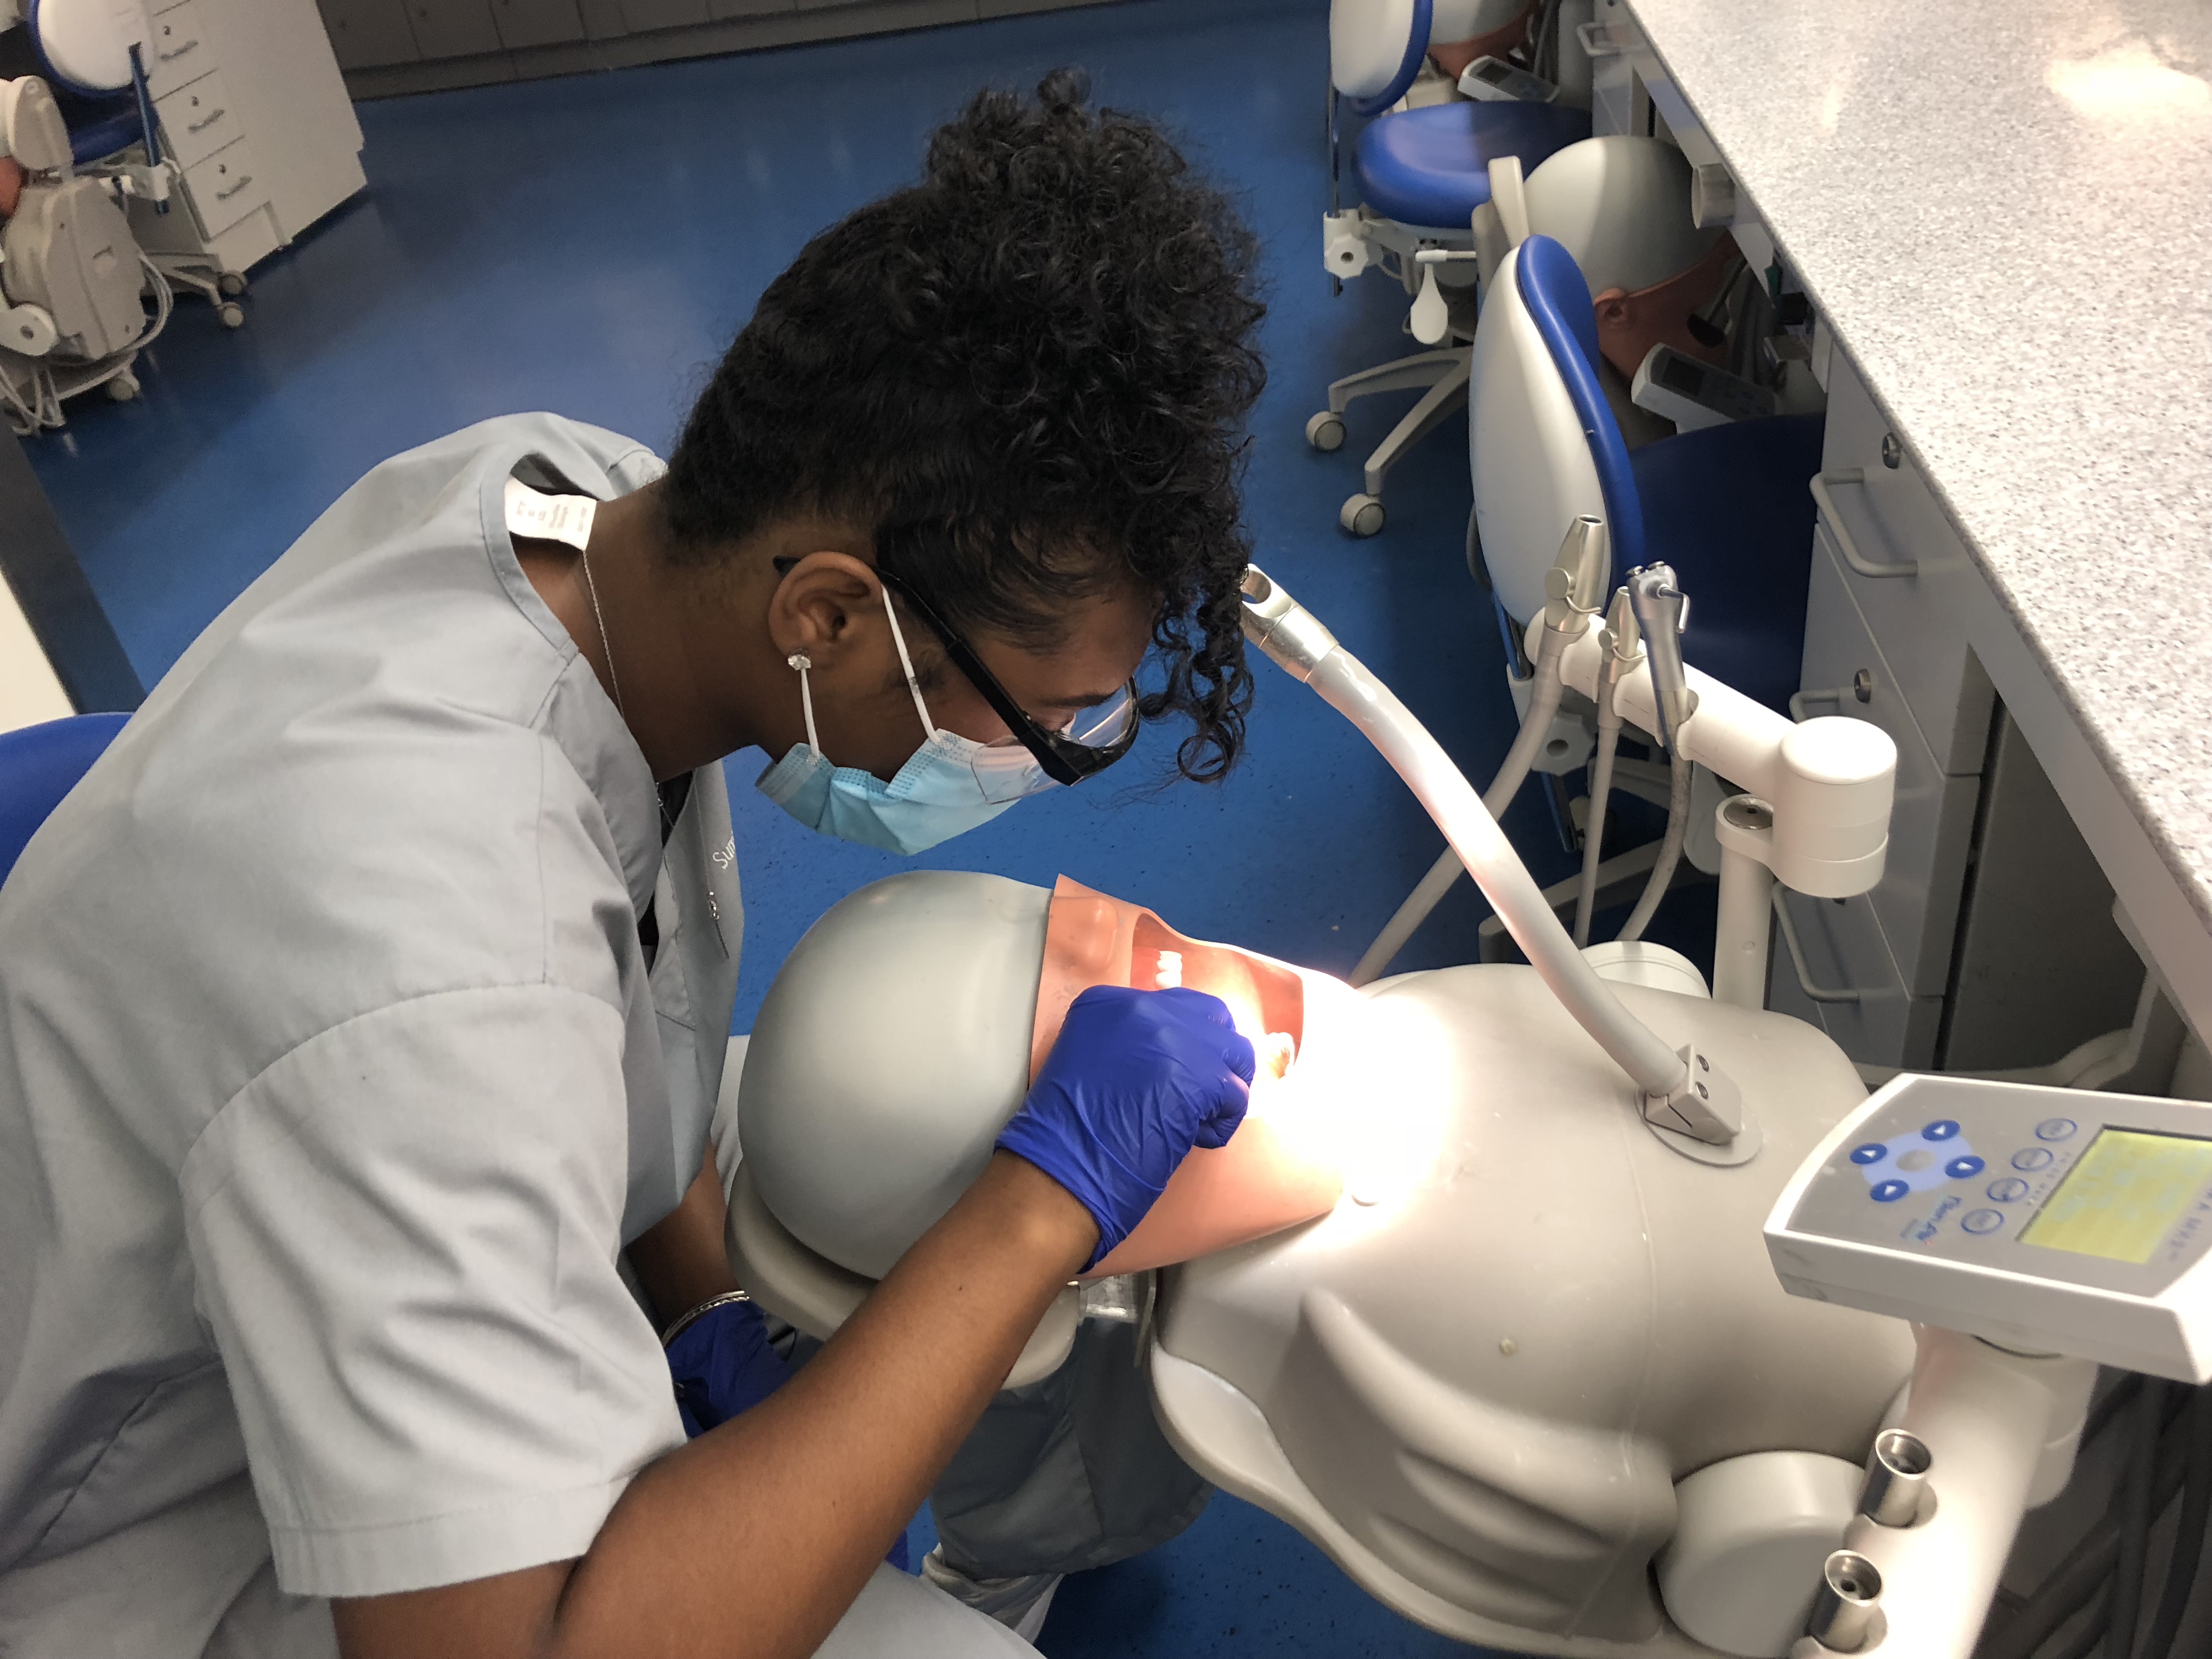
(1092, 740)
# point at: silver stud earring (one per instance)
(798, 660)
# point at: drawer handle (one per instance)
(1844, 545)
(1818, 993)
(202, 126)
(172, 57)
(1861, 689)
(225, 195)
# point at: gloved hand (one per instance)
(1134, 1080)
(719, 1358)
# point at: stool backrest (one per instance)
(1542, 445)
(39, 765)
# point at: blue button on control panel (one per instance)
(2055, 1128)
(2034, 1158)
(2009, 1190)
(1959, 1168)
(1982, 1221)
(1873, 1152)
(1889, 1192)
(1941, 1129)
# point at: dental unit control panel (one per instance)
(1493, 81)
(1694, 395)
(2043, 1220)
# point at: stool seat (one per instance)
(1431, 166)
(39, 765)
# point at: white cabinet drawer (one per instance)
(1916, 902)
(197, 120)
(226, 187)
(182, 53)
(1843, 951)
(1877, 505)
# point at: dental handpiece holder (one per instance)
(1814, 807)
(1685, 1093)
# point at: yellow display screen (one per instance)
(2124, 1196)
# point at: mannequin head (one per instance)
(1621, 206)
(1461, 31)
(903, 1031)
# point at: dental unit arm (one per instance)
(1816, 813)
(2087, 1248)
(1683, 1091)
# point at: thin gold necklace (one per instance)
(599, 620)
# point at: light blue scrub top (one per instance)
(331, 1085)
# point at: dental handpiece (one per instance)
(1662, 611)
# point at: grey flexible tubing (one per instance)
(1444, 873)
(2189, 1533)
(1608, 742)
(2084, 1573)
(1670, 852)
(2124, 1611)
(1416, 757)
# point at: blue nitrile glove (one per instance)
(1134, 1080)
(722, 1363)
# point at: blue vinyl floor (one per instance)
(588, 246)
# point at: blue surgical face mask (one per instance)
(950, 785)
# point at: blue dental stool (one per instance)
(1420, 174)
(39, 765)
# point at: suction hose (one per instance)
(1608, 742)
(1573, 587)
(1295, 639)
(1444, 873)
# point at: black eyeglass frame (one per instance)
(1063, 760)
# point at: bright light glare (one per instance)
(2128, 82)
(1396, 1083)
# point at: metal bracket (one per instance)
(1706, 1105)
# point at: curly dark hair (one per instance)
(1030, 373)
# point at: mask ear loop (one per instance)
(928, 725)
(802, 662)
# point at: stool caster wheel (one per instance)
(1325, 431)
(1361, 514)
(123, 388)
(231, 283)
(233, 314)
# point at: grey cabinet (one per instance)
(369, 34)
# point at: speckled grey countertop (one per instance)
(2005, 213)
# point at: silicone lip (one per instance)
(1275, 1172)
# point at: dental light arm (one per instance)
(1300, 645)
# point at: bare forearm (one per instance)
(680, 1259)
(753, 1540)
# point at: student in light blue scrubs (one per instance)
(362, 1013)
